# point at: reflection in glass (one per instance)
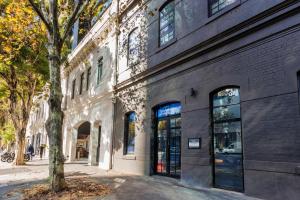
(228, 167)
(161, 146)
(218, 5)
(133, 47)
(167, 23)
(169, 140)
(226, 112)
(131, 118)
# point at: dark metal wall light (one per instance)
(193, 92)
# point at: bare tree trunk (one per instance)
(20, 139)
(54, 124)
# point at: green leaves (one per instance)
(7, 133)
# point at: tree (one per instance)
(58, 17)
(7, 133)
(23, 66)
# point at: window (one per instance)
(133, 47)
(81, 83)
(218, 5)
(167, 23)
(73, 89)
(129, 133)
(99, 71)
(227, 139)
(88, 77)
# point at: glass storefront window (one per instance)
(227, 139)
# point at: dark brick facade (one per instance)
(254, 45)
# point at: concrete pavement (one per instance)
(125, 186)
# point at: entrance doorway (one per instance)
(83, 141)
(227, 140)
(167, 153)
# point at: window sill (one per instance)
(223, 12)
(129, 157)
(171, 42)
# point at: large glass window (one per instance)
(227, 139)
(129, 133)
(218, 5)
(133, 47)
(99, 70)
(167, 23)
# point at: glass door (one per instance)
(162, 135)
(175, 148)
(227, 140)
(168, 141)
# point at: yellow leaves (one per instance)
(19, 28)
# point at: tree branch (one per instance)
(41, 14)
(79, 8)
(54, 14)
(5, 78)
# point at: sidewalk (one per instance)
(124, 186)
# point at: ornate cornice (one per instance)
(95, 37)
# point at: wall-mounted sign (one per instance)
(194, 143)
(169, 110)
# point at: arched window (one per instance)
(133, 47)
(129, 135)
(227, 139)
(167, 23)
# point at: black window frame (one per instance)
(210, 3)
(159, 23)
(73, 89)
(81, 83)
(88, 77)
(99, 70)
(126, 133)
(212, 126)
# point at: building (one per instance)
(87, 84)
(36, 133)
(206, 92)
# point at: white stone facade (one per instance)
(36, 133)
(94, 104)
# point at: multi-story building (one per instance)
(36, 133)
(207, 93)
(87, 83)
